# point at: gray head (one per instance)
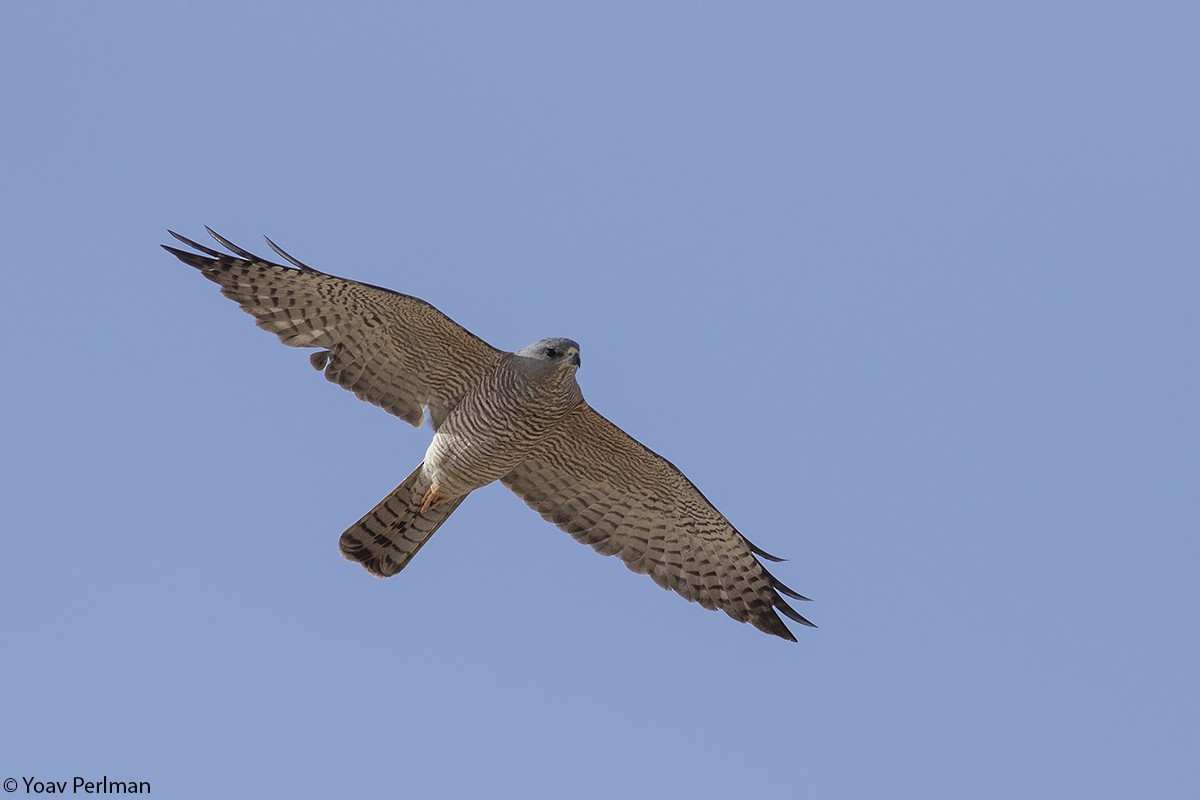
(554, 350)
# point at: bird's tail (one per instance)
(388, 537)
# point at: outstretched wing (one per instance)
(395, 351)
(609, 491)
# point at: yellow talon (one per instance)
(431, 497)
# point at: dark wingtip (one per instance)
(758, 551)
(284, 254)
(780, 586)
(792, 614)
(196, 260)
(233, 248)
(792, 593)
(195, 245)
(775, 626)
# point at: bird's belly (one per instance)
(459, 462)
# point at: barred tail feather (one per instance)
(391, 533)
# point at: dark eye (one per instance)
(551, 352)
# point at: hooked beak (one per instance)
(573, 356)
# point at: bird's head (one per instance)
(557, 351)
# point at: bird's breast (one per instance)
(491, 430)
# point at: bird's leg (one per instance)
(431, 497)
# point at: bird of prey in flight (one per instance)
(516, 417)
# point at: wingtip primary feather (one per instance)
(780, 586)
(758, 551)
(241, 252)
(791, 613)
(294, 261)
(195, 245)
(196, 260)
(233, 248)
(772, 624)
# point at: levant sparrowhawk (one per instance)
(519, 418)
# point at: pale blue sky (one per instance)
(909, 290)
